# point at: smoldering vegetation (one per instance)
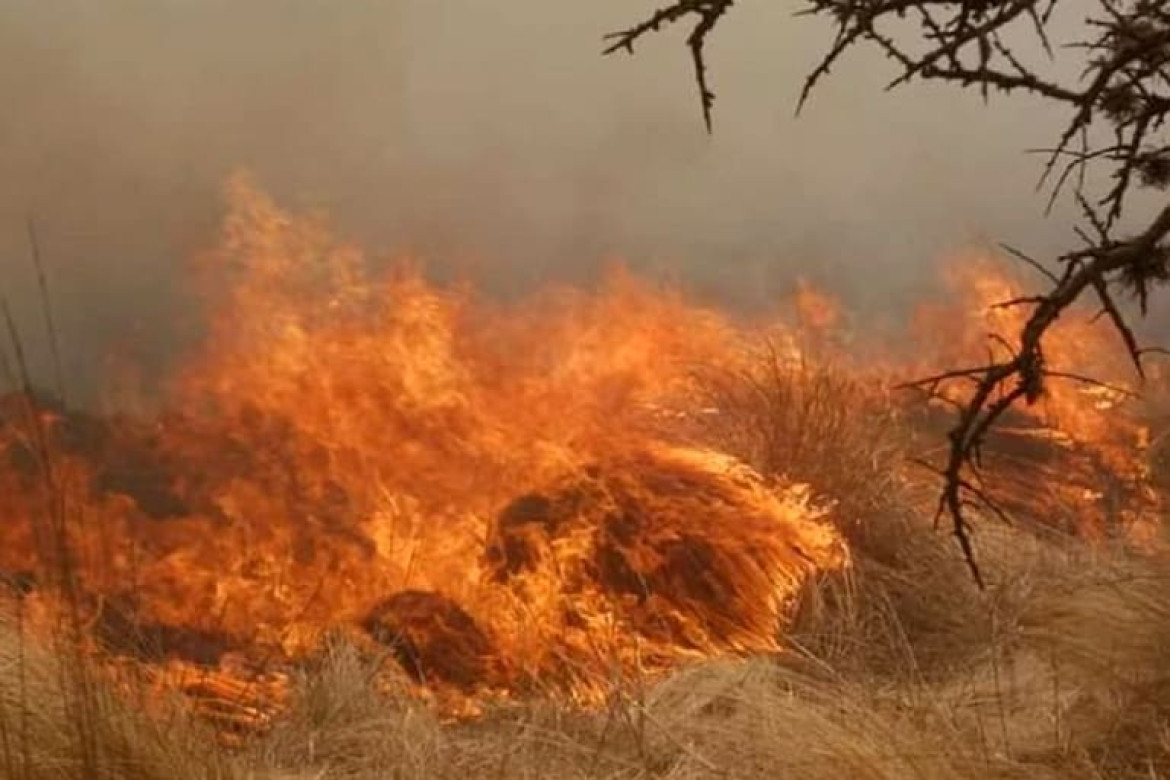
(498, 145)
(897, 668)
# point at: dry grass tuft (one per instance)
(906, 608)
(342, 726)
(1057, 673)
(899, 667)
(814, 424)
(58, 722)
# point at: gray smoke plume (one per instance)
(491, 138)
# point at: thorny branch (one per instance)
(1119, 105)
(707, 13)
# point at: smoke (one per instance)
(491, 138)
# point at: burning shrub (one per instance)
(434, 639)
(508, 499)
(659, 555)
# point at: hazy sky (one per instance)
(489, 129)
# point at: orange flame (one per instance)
(507, 498)
(343, 453)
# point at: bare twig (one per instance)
(1120, 108)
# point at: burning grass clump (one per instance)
(647, 559)
(904, 603)
(501, 504)
(1070, 685)
(904, 671)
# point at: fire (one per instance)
(1081, 353)
(505, 499)
(817, 311)
(502, 497)
(1096, 457)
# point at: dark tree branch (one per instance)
(707, 14)
(1119, 110)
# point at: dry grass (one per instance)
(815, 424)
(1064, 678)
(907, 604)
(57, 721)
(899, 668)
